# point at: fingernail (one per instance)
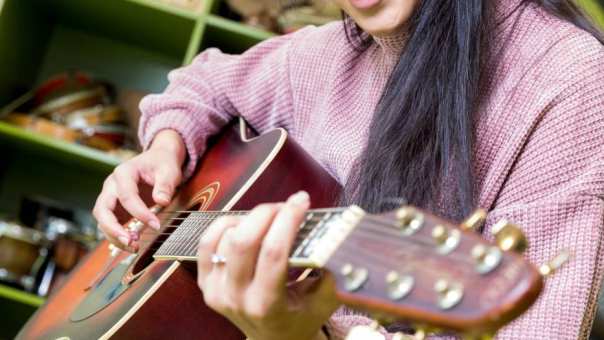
(125, 241)
(154, 224)
(300, 198)
(162, 195)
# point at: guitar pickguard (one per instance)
(103, 293)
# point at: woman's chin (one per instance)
(379, 28)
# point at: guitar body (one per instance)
(134, 296)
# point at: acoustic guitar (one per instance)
(404, 265)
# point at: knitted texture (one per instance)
(539, 142)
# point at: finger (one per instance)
(108, 223)
(208, 243)
(132, 248)
(321, 296)
(167, 178)
(274, 254)
(242, 245)
(126, 179)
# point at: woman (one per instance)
(450, 104)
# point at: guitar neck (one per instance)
(318, 234)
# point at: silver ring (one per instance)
(218, 259)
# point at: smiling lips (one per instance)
(364, 4)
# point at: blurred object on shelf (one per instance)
(193, 5)
(316, 12)
(129, 100)
(67, 235)
(42, 126)
(284, 16)
(55, 219)
(258, 13)
(23, 252)
(75, 108)
(92, 137)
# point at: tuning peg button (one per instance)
(475, 220)
(449, 293)
(486, 258)
(410, 220)
(509, 236)
(399, 286)
(365, 332)
(446, 240)
(354, 278)
(555, 263)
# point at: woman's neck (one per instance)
(393, 42)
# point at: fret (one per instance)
(182, 243)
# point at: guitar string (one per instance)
(191, 246)
(190, 241)
(388, 231)
(203, 219)
(381, 221)
(458, 258)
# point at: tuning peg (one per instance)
(410, 220)
(550, 267)
(420, 333)
(508, 236)
(398, 336)
(446, 240)
(485, 336)
(365, 332)
(354, 278)
(449, 293)
(399, 286)
(475, 220)
(486, 259)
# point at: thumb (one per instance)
(323, 299)
(167, 178)
(318, 292)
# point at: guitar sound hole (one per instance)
(145, 257)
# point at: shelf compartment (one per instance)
(129, 43)
(10, 134)
(232, 36)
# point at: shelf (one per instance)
(73, 152)
(143, 23)
(20, 296)
(232, 36)
(253, 33)
(189, 14)
(595, 10)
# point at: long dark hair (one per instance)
(420, 140)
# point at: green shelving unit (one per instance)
(20, 296)
(131, 43)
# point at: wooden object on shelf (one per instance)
(192, 5)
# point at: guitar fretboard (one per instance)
(182, 243)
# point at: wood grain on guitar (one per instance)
(405, 265)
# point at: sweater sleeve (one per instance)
(555, 193)
(204, 96)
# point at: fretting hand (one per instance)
(250, 287)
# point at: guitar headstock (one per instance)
(409, 265)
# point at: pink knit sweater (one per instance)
(539, 150)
